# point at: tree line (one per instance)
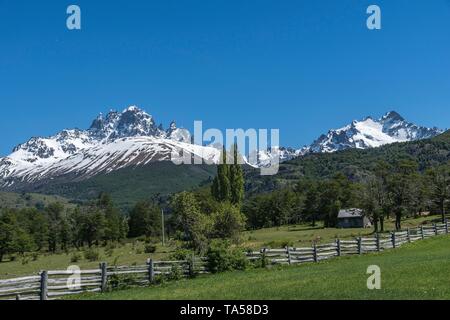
(56, 227)
(195, 218)
(221, 212)
(398, 191)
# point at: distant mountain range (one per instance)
(364, 134)
(115, 141)
(358, 165)
(131, 138)
(371, 133)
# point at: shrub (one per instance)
(262, 262)
(123, 281)
(75, 257)
(257, 262)
(139, 250)
(222, 257)
(160, 279)
(91, 255)
(176, 273)
(25, 260)
(182, 254)
(150, 248)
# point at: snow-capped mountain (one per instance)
(132, 138)
(265, 158)
(363, 134)
(131, 122)
(370, 133)
(114, 141)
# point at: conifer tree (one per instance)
(221, 189)
(236, 179)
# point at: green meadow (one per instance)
(414, 271)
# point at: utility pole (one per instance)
(162, 227)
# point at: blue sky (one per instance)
(301, 66)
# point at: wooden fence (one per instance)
(50, 285)
(319, 252)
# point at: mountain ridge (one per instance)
(371, 133)
(132, 138)
(363, 134)
(119, 140)
(355, 164)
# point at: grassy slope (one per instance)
(303, 235)
(127, 254)
(415, 271)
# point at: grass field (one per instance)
(415, 271)
(304, 235)
(129, 254)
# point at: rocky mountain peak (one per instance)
(392, 116)
(131, 122)
(371, 133)
(172, 128)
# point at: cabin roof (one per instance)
(350, 213)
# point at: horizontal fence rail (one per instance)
(50, 285)
(380, 242)
(28, 288)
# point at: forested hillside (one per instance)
(130, 185)
(127, 186)
(357, 165)
(29, 200)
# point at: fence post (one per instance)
(393, 240)
(151, 271)
(104, 272)
(359, 245)
(435, 229)
(288, 254)
(338, 247)
(377, 236)
(44, 281)
(315, 252)
(263, 257)
(446, 226)
(192, 266)
(421, 231)
(409, 235)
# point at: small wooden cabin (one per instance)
(352, 218)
